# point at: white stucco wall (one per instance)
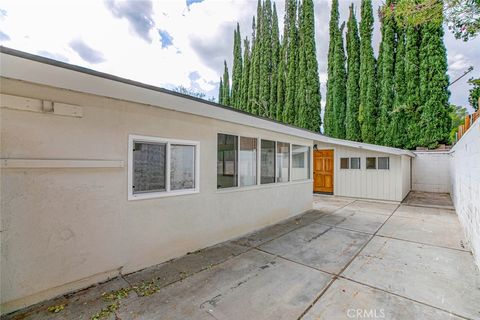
(465, 186)
(430, 171)
(371, 184)
(67, 228)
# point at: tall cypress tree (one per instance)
(312, 86)
(352, 126)
(301, 71)
(368, 109)
(412, 94)
(245, 76)
(256, 63)
(265, 59)
(386, 74)
(340, 95)
(237, 69)
(281, 85)
(291, 63)
(226, 85)
(250, 92)
(220, 91)
(397, 132)
(275, 64)
(435, 122)
(328, 120)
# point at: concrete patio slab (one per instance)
(330, 203)
(254, 285)
(443, 278)
(323, 247)
(385, 208)
(427, 225)
(349, 300)
(354, 220)
(429, 199)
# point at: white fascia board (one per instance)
(29, 70)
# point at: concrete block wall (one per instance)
(430, 171)
(465, 186)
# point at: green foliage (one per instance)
(368, 101)
(56, 309)
(275, 65)
(397, 131)
(226, 85)
(457, 115)
(301, 69)
(386, 75)
(474, 96)
(193, 93)
(352, 126)
(328, 118)
(250, 93)
(245, 76)
(281, 76)
(237, 69)
(291, 43)
(435, 122)
(311, 114)
(340, 94)
(265, 60)
(220, 91)
(256, 64)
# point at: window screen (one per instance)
(384, 163)
(283, 161)
(354, 163)
(182, 167)
(371, 163)
(149, 167)
(267, 164)
(343, 163)
(227, 160)
(248, 161)
(300, 162)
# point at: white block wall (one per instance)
(465, 186)
(430, 171)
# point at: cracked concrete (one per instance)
(345, 259)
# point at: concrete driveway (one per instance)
(346, 259)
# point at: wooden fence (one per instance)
(469, 120)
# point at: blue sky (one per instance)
(170, 43)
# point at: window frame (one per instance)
(359, 163)
(366, 163)
(133, 138)
(348, 163)
(308, 162)
(388, 163)
(289, 162)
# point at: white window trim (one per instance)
(388, 162)
(168, 193)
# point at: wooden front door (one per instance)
(323, 171)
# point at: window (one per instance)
(371, 163)
(159, 167)
(383, 163)
(344, 163)
(283, 162)
(354, 163)
(267, 165)
(300, 162)
(227, 159)
(248, 161)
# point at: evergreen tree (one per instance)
(435, 121)
(368, 109)
(291, 62)
(250, 93)
(237, 69)
(275, 64)
(386, 71)
(300, 75)
(328, 120)
(226, 85)
(412, 95)
(281, 86)
(397, 132)
(220, 92)
(339, 97)
(265, 59)
(256, 63)
(245, 76)
(312, 86)
(352, 127)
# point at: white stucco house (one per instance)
(102, 175)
